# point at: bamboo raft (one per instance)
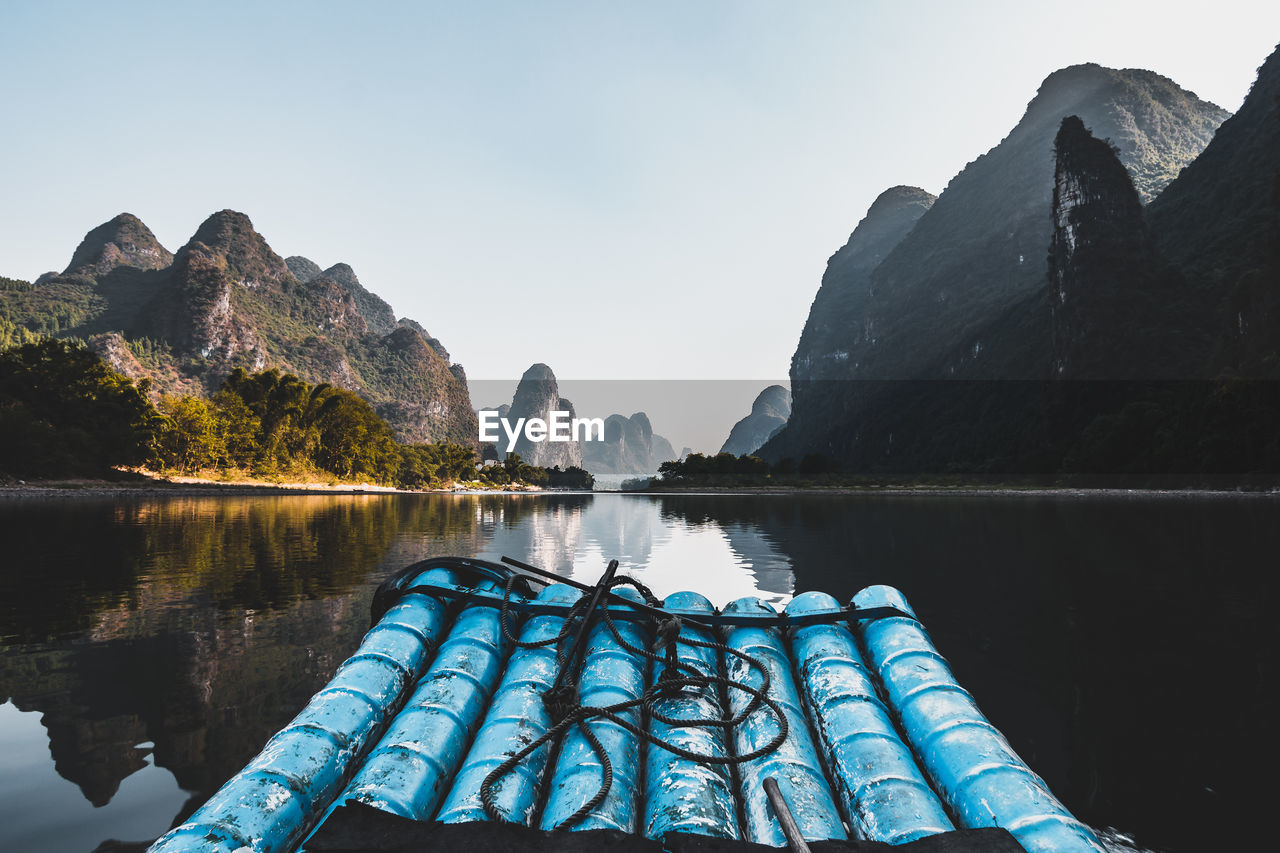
(494, 693)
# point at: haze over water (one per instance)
(149, 647)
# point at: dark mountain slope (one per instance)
(838, 315)
(981, 246)
(1219, 222)
(963, 295)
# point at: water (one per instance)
(148, 647)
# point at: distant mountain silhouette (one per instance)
(768, 415)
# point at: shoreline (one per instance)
(179, 486)
(161, 488)
(972, 492)
(195, 487)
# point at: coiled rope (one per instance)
(566, 710)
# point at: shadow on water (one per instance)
(1118, 643)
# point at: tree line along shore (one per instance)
(66, 413)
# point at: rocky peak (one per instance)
(1065, 86)
(900, 196)
(344, 275)
(303, 269)
(630, 446)
(1088, 173)
(334, 307)
(641, 420)
(409, 323)
(976, 252)
(537, 396)
(1156, 126)
(538, 373)
(122, 241)
(769, 414)
(839, 308)
(211, 279)
(774, 400)
(406, 341)
(376, 312)
(888, 219)
(406, 323)
(228, 239)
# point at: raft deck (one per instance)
(511, 705)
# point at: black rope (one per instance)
(522, 574)
(641, 612)
(469, 572)
(566, 710)
(562, 700)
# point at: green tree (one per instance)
(193, 437)
(350, 439)
(240, 427)
(279, 403)
(63, 411)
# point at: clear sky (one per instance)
(621, 190)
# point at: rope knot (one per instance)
(560, 702)
(667, 634)
(678, 678)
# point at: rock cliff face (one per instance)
(630, 446)
(980, 247)
(963, 294)
(422, 395)
(205, 307)
(1110, 294)
(227, 300)
(303, 269)
(373, 309)
(537, 396)
(769, 414)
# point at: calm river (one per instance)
(148, 647)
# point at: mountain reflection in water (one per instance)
(1117, 642)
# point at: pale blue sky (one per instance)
(620, 190)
